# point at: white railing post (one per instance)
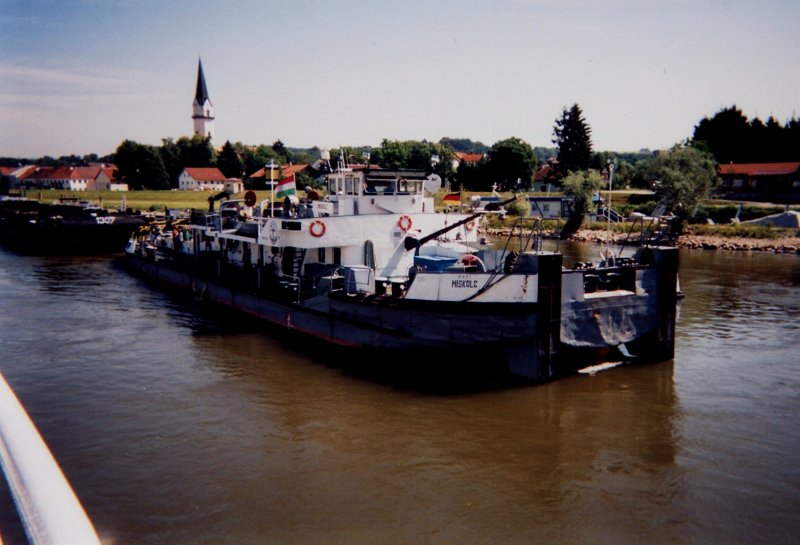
(47, 505)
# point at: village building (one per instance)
(546, 176)
(208, 179)
(774, 182)
(460, 158)
(10, 176)
(262, 177)
(96, 177)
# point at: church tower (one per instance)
(202, 109)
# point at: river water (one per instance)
(178, 425)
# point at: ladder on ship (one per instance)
(291, 264)
(293, 261)
(654, 230)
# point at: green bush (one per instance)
(520, 207)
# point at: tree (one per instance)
(684, 175)
(141, 166)
(544, 154)
(731, 138)
(472, 176)
(392, 154)
(413, 154)
(171, 156)
(573, 137)
(280, 149)
(580, 186)
(726, 135)
(464, 145)
(511, 163)
(196, 151)
(229, 162)
(255, 158)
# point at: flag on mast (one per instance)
(452, 198)
(285, 187)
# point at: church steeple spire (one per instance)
(201, 95)
(202, 109)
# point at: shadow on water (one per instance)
(435, 372)
(440, 372)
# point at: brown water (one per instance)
(176, 425)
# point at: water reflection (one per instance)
(521, 455)
(179, 424)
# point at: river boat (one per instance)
(65, 227)
(374, 266)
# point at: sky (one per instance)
(81, 76)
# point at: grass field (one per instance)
(185, 200)
(138, 200)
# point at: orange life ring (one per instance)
(404, 222)
(317, 228)
(469, 259)
(470, 225)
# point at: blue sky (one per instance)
(79, 76)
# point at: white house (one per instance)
(202, 179)
(234, 185)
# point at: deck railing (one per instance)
(50, 512)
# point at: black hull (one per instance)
(521, 338)
(69, 240)
(33, 228)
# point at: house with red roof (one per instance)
(460, 157)
(773, 182)
(263, 175)
(67, 178)
(10, 176)
(207, 179)
(36, 177)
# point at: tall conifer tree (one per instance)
(573, 136)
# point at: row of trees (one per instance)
(732, 138)
(509, 163)
(158, 167)
(681, 176)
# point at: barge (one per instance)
(374, 266)
(30, 227)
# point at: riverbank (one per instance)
(778, 245)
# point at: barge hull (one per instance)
(398, 326)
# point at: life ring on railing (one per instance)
(470, 225)
(317, 228)
(404, 223)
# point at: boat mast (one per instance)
(608, 211)
(271, 166)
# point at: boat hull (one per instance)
(493, 330)
(526, 339)
(33, 228)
